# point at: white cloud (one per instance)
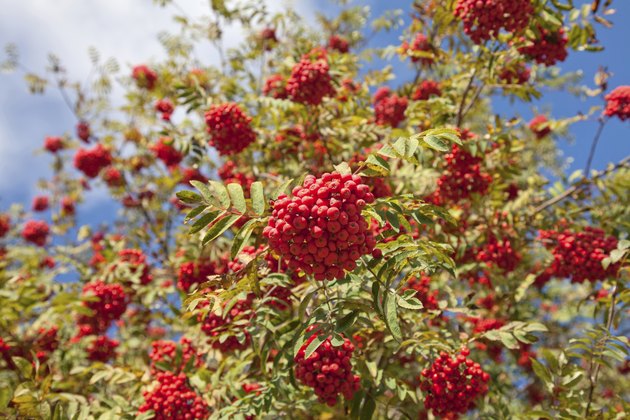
(125, 29)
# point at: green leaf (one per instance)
(314, 345)
(243, 234)
(203, 189)
(25, 367)
(258, 198)
(367, 410)
(189, 197)
(6, 393)
(377, 164)
(219, 227)
(237, 196)
(204, 221)
(195, 212)
(522, 288)
(391, 315)
(436, 143)
(409, 303)
(221, 194)
(346, 322)
(541, 371)
(343, 168)
(281, 189)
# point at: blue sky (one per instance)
(128, 30)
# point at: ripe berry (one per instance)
(35, 232)
(137, 264)
(422, 286)
(191, 174)
(230, 128)
(579, 255)
(462, 175)
(113, 177)
(92, 161)
(539, 126)
(389, 108)
(335, 42)
(484, 19)
(102, 349)
(228, 175)
(40, 203)
(67, 206)
(172, 398)
(164, 351)
(310, 81)
(548, 48)
(426, 89)
(83, 131)
(195, 272)
(165, 106)
(222, 330)
(515, 73)
(144, 77)
(618, 103)
(166, 152)
(452, 384)
(110, 304)
(275, 86)
(328, 370)
(53, 144)
(301, 231)
(420, 44)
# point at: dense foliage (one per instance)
(306, 232)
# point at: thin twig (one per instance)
(583, 183)
(460, 111)
(589, 161)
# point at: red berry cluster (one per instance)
(109, 306)
(618, 103)
(515, 73)
(461, 177)
(5, 224)
(422, 286)
(53, 144)
(335, 42)
(484, 19)
(452, 384)
(40, 203)
(230, 128)
(5, 349)
(166, 351)
(310, 80)
(191, 272)
(137, 262)
(173, 398)
(165, 151)
(498, 253)
(320, 230)
(539, 126)
(165, 106)
(67, 206)
(275, 87)
(426, 89)
(328, 370)
(579, 255)
(548, 49)
(92, 161)
(420, 44)
(83, 131)
(228, 174)
(144, 77)
(36, 232)
(113, 177)
(46, 342)
(221, 327)
(389, 108)
(102, 349)
(268, 38)
(191, 174)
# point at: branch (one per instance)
(602, 123)
(583, 183)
